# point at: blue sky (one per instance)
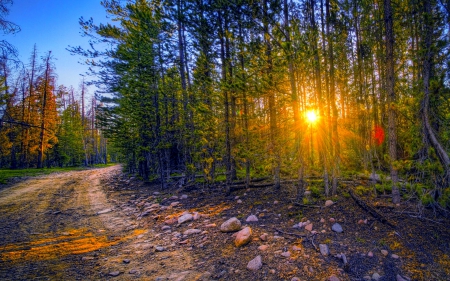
(53, 26)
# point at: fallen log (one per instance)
(370, 210)
(243, 186)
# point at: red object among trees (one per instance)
(378, 135)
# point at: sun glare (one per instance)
(311, 116)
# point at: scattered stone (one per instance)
(367, 278)
(160, 249)
(322, 220)
(264, 237)
(185, 218)
(296, 248)
(171, 221)
(331, 220)
(243, 237)
(333, 278)
(255, 264)
(173, 197)
(376, 276)
(251, 218)
(231, 225)
(114, 273)
(263, 247)
(402, 278)
(275, 202)
(156, 193)
(286, 254)
(272, 271)
(309, 227)
(236, 198)
(87, 258)
(337, 228)
(166, 227)
(126, 261)
(276, 237)
(133, 271)
(196, 216)
(394, 256)
(370, 254)
(104, 212)
(239, 201)
(184, 196)
(174, 204)
(211, 225)
(328, 203)
(384, 252)
(361, 222)
(324, 249)
(295, 279)
(307, 192)
(191, 231)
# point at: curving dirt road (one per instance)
(63, 227)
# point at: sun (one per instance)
(311, 116)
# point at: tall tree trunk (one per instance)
(271, 97)
(427, 69)
(390, 84)
(44, 111)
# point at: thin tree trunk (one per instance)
(427, 68)
(390, 84)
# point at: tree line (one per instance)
(42, 124)
(221, 89)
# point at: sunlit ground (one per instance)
(49, 247)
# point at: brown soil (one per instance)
(92, 225)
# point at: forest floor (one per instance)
(100, 224)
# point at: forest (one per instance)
(207, 91)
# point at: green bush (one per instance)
(361, 190)
(315, 191)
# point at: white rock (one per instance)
(239, 201)
(309, 227)
(328, 203)
(185, 218)
(376, 276)
(324, 249)
(191, 231)
(286, 254)
(255, 264)
(384, 252)
(251, 218)
(184, 196)
(174, 204)
(231, 225)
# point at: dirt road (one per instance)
(63, 227)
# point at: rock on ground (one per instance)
(328, 203)
(185, 218)
(255, 264)
(231, 225)
(251, 218)
(337, 228)
(324, 249)
(243, 237)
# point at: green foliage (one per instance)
(316, 192)
(361, 190)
